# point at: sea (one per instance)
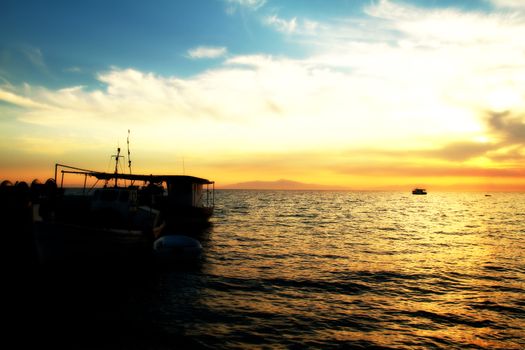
(304, 270)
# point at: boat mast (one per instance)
(117, 156)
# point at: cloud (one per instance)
(13, 98)
(282, 25)
(515, 4)
(34, 55)
(426, 27)
(452, 153)
(129, 94)
(397, 169)
(508, 145)
(299, 27)
(253, 5)
(372, 75)
(510, 127)
(207, 52)
(458, 151)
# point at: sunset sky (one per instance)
(362, 94)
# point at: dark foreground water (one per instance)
(287, 269)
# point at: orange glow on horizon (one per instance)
(354, 178)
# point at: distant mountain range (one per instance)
(281, 184)
(284, 184)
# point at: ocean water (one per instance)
(318, 270)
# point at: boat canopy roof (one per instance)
(153, 178)
(169, 179)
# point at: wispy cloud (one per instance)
(252, 4)
(515, 4)
(207, 52)
(34, 55)
(397, 169)
(510, 127)
(15, 99)
(294, 25)
(282, 25)
(458, 151)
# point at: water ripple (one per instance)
(358, 270)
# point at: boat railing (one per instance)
(210, 194)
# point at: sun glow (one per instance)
(504, 99)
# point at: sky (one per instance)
(358, 94)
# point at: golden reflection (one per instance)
(388, 268)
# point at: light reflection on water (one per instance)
(325, 269)
(292, 269)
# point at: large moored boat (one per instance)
(126, 213)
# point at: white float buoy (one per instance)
(177, 247)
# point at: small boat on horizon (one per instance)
(419, 191)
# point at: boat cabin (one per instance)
(189, 191)
(180, 198)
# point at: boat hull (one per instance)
(184, 216)
(63, 242)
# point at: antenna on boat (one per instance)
(129, 155)
(129, 159)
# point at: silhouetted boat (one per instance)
(419, 191)
(181, 199)
(102, 224)
(117, 220)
